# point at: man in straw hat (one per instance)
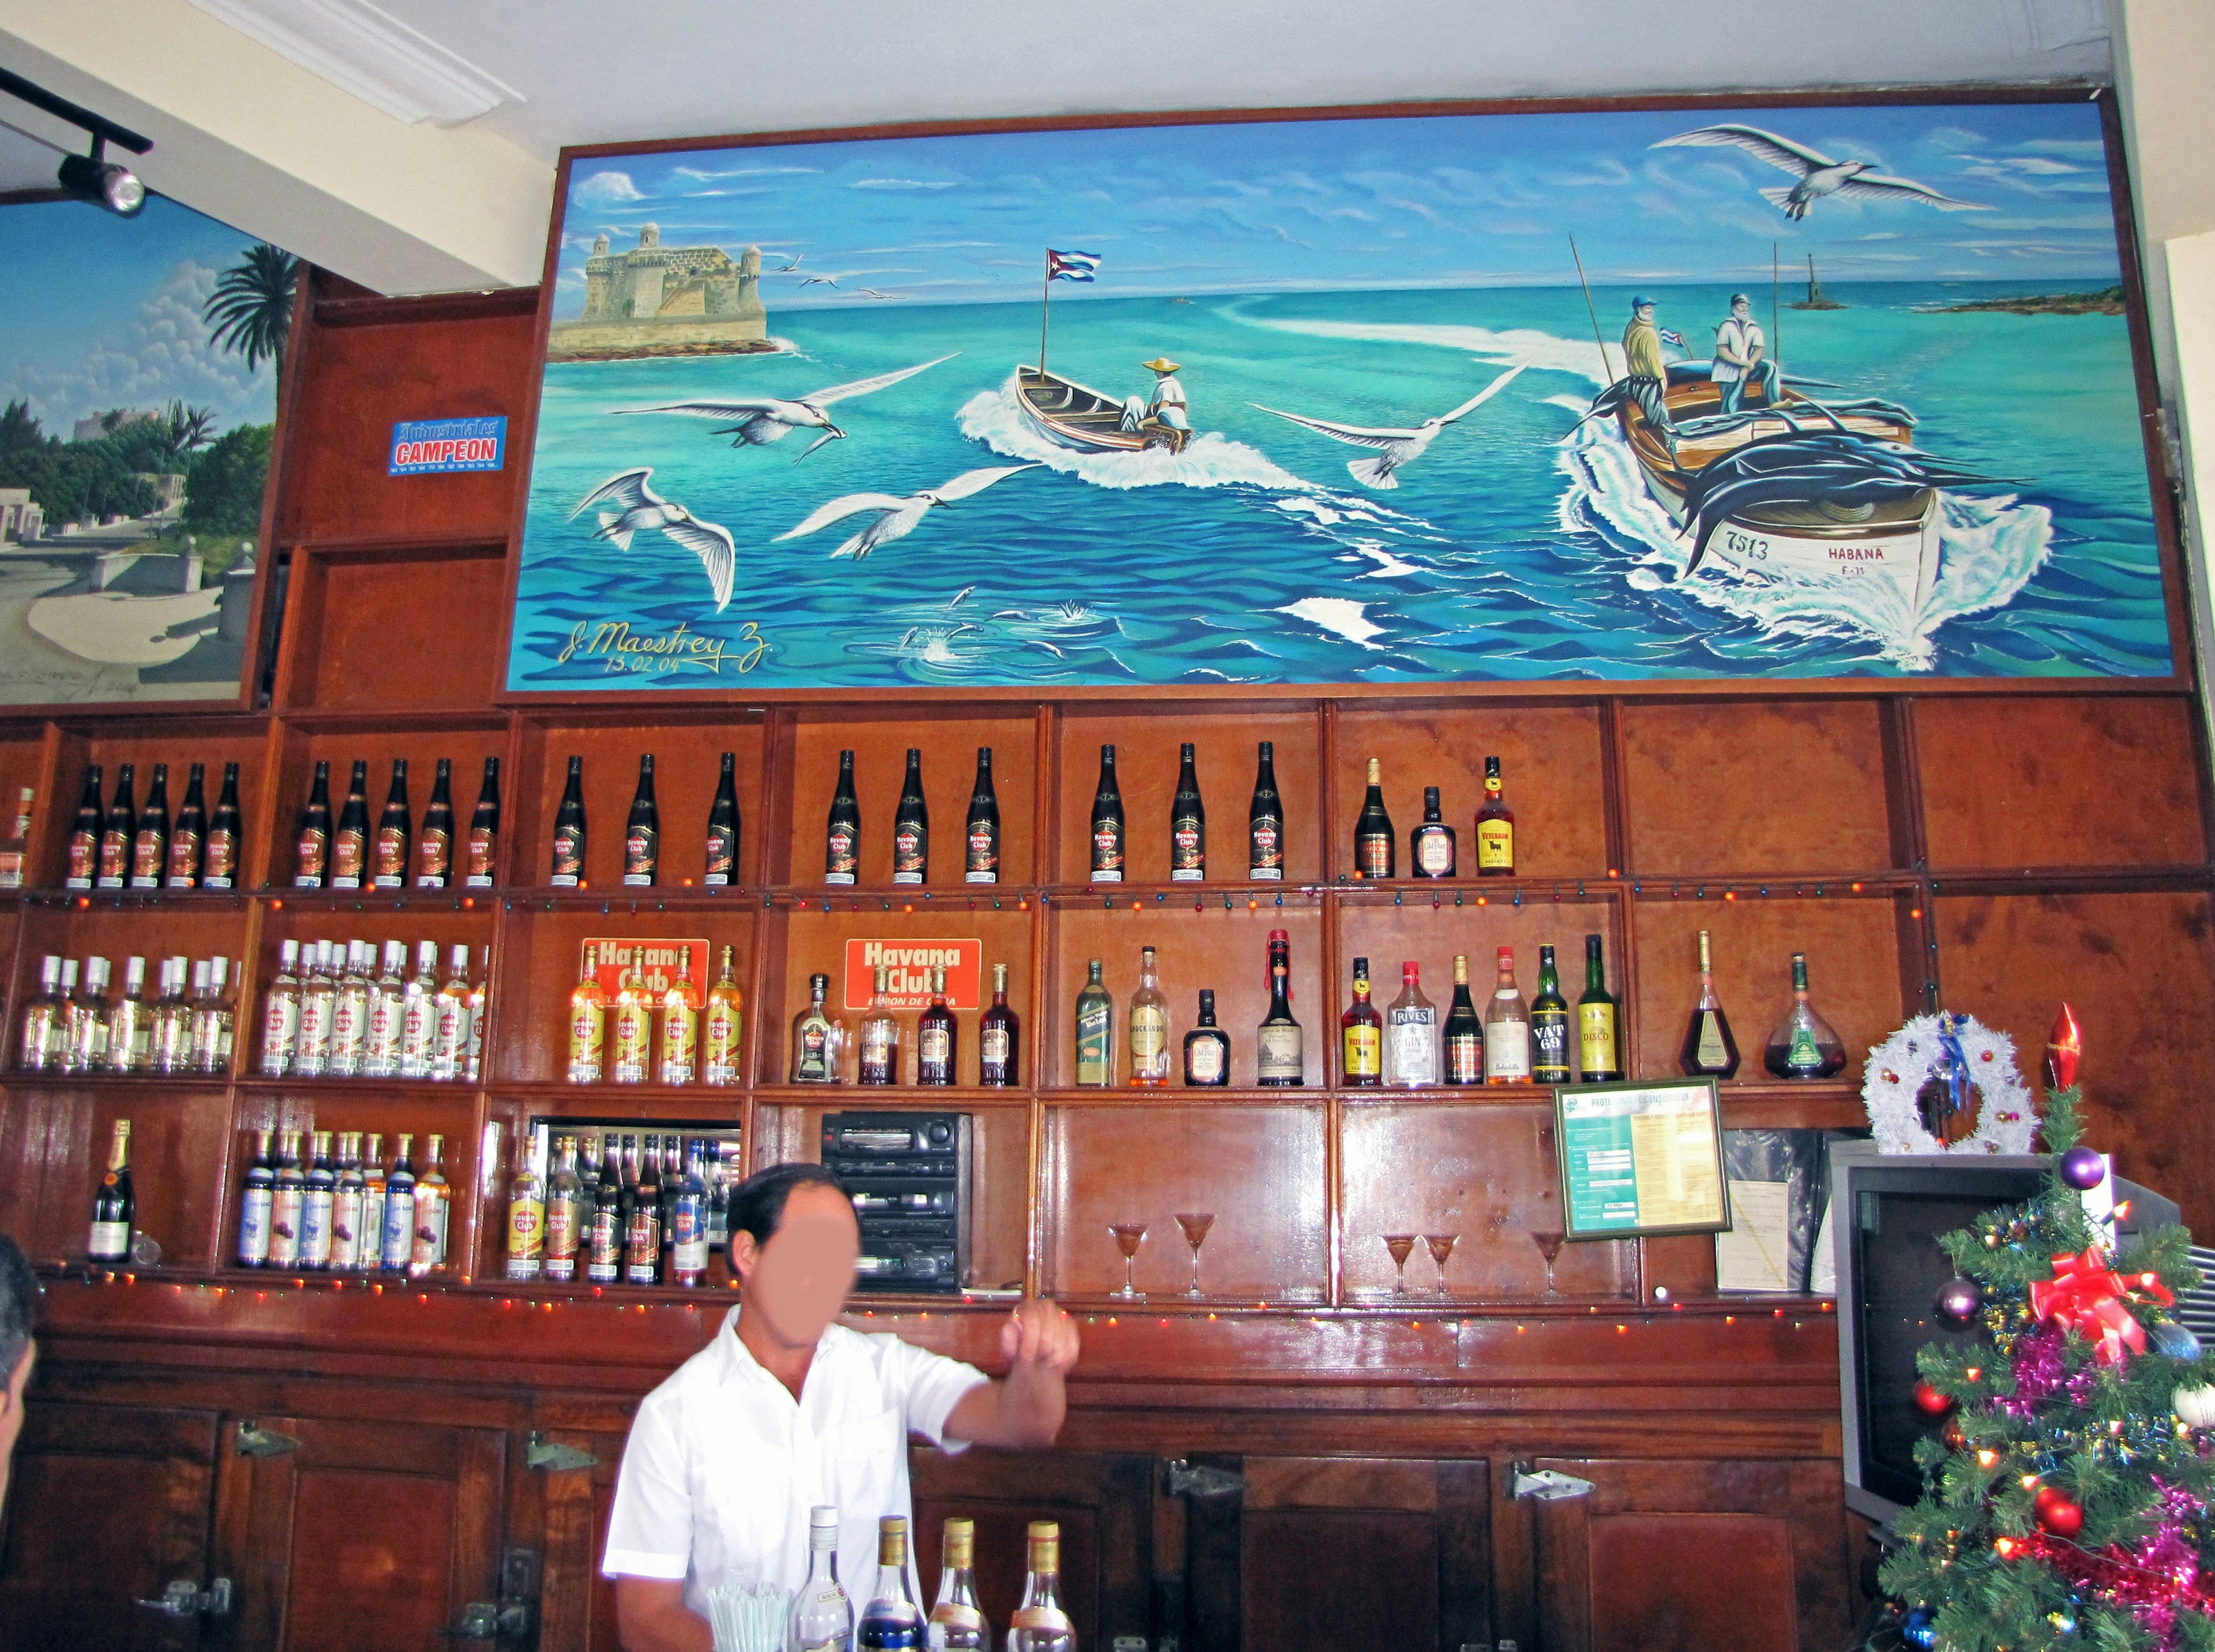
(1166, 406)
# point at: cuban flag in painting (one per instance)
(1070, 266)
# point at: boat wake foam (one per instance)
(993, 418)
(1990, 548)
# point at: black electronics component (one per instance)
(908, 1174)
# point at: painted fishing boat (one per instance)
(1856, 526)
(1086, 421)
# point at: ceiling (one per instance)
(25, 162)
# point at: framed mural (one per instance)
(1812, 389)
(137, 398)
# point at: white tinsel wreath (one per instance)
(2007, 1115)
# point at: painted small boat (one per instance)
(1801, 540)
(1083, 420)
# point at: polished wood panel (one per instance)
(2072, 783)
(177, 1137)
(346, 608)
(1715, 787)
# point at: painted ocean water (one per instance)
(1521, 547)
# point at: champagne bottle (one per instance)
(350, 838)
(721, 868)
(1206, 1048)
(999, 1037)
(87, 826)
(642, 832)
(880, 1036)
(314, 838)
(118, 829)
(889, 1623)
(219, 865)
(1361, 1034)
(1506, 1028)
(937, 1036)
(1709, 1050)
(981, 861)
(149, 842)
(484, 830)
(568, 860)
(188, 838)
(1495, 828)
(842, 838)
(1431, 845)
(1039, 1625)
(1095, 1031)
(1550, 1026)
(1599, 1038)
(1265, 822)
(391, 853)
(1107, 823)
(114, 1205)
(1150, 1025)
(1187, 824)
(721, 1029)
(1803, 1046)
(1376, 850)
(957, 1619)
(912, 826)
(1280, 1061)
(434, 849)
(1464, 1032)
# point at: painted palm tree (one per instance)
(251, 311)
(185, 428)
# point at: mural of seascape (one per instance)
(1323, 403)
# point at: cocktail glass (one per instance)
(1441, 1246)
(1548, 1241)
(1401, 1245)
(1127, 1235)
(1195, 1224)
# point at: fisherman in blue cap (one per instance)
(1648, 375)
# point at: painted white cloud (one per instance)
(605, 189)
(901, 183)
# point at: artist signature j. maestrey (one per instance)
(623, 650)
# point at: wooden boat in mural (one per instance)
(1811, 539)
(1086, 421)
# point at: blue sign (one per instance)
(422, 446)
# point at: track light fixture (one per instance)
(93, 178)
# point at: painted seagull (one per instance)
(1395, 447)
(637, 509)
(897, 518)
(757, 421)
(787, 269)
(817, 280)
(1819, 176)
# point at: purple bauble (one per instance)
(2082, 1169)
(1958, 1300)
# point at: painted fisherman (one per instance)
(1741, 356)
(1167, 406)
(1647, 380)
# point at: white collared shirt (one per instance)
(1743, 337)
(723, 1465)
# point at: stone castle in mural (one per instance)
(664, 301)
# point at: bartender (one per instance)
(785, 1409)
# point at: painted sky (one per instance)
(1465, 201)
(105, 312)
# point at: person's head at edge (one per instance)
(793, 1243)
(19, 1302)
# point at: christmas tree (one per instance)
(2066, 1504)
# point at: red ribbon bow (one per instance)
(2088, 1296)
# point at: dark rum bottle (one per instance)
(1375, 851)
(219, 864)
(1279, 1059)
(1431, 845)
(1495, 828)
(483, 862)
(435, 849)
(1599, 1037)
(150, 841)
(1187, 824)
(911, 825)
(937, 1036)
(1549, 1026)
(1107, 823)
(842, 838)
(1709, 1050)
(1206, 1048)
(980, 859)
(1265, 822)
(118, 829)
(1463, 1039)
(85, 832)
(642, 832)
(350, 838)
(721, 865)
(314, 839)
(567, 871)
(1803, 1046)
(1361, 1034)
(188, 838)
(999, 1037)
(394, 851)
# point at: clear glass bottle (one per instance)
(880, 1036)
(937, 1037)
(1039, 1625)
(388, 1005)
(68, 1019)
(1361, 1035)
(588, 1021)
(450, 1034)
(722, 1028)
(171, 1050)
(822, 1616)
(957, 1621)
(253, 1205)
(89, 1027)
(680, 1025)
(1279, 1059)
(1506, 1028)
(319, 990)
(817, 1038)
(418, 1013)
(480, 1001)
(1710, 1051)
(211, 1020)
(630, 1027)
(891, 1622)
(129, 1038)
(428, 1252)
(39, 1049)
(1150, 1025)
(1411, 1033)
(1803, 1046)
(1095, 1031)
(350, 1014)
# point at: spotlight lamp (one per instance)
(95, 179)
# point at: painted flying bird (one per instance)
(760, 419)
(1819, 176)
(640, 509)
(871, 293)
(898, 518)
(1837, 468)
(788, 268)
(1395, 447)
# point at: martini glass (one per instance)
(1441, 1246)
(1195, 1224)
(1549, 1246)
(1127, 1235)
(1401, 1245)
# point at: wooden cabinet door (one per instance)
(369, 1536)
(577, 1611)
(1671, 1557)
(107, 1506)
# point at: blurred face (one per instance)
(11, 1410)
(799, 1280)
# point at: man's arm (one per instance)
(1026, 1407)
(651, 1615)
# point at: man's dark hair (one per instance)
(18, 1305)
(757, 1203)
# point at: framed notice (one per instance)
(1641, 1159)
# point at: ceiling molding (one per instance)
(363, 50)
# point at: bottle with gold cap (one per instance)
(889, 1623)
(822, 1617)
(1039, 1625)
(957, 1621)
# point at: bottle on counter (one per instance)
(957, 1620)
(1039, 1625)
(822, 1616)
(891, 1621)
(114, 1205)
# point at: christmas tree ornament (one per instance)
(2087, 1296)
(1952, 1434)
(2064, 1046)
(2082, 1169)
(1967, 1056)
(1930, 1401)
(2195, 1406)
(1958, 1301)
(2057, 1512)
(2172, 1340)
(1919, 1629)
